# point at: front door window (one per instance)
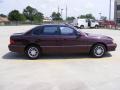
(66, 31)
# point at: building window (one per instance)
(118, 7)
(118, 20)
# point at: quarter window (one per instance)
(66, 31)
(37, 30)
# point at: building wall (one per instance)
(117, 12)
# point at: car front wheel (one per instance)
(33, 52)
(98, 51)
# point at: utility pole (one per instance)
(66, 11)
(100, 15)
(61, 12)
(110, 11)
(58, 9)
(115, 11)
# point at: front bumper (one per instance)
(111, 47)
(16, 48)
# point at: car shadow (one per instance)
(18, 56)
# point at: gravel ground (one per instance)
(75, 72)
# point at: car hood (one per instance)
(97, 36)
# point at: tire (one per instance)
(96, 26)
(33, 52)
(82, 27)
(98, 51)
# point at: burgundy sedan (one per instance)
(59, 39)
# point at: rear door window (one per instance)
(50, 30)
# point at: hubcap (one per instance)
(99, 51)
(33, 52)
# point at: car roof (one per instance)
(64, 25)
(54, 25)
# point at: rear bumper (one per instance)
(111, 47)
(16, 48)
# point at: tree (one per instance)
(87, 16)
(56, 16)
(2, 15)
(70, 18)
(32, 14)
(15, 15)
(38, 17)
(22, 17)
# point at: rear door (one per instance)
(48, 39)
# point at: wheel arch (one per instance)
(32, 44)
(98, 43)
(97, 25)
(82, 26)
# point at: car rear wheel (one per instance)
(96, 26)
(82, 27)
(98, 51)
(33, 52)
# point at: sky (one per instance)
(75, 7)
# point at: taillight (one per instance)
(12, 41)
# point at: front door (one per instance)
(70, 42)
